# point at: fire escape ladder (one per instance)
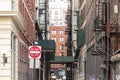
(100, 16)
(100, 22)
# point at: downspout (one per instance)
(108, 73)
(12, 57)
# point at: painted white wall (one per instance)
(5, 5)
(5, 48)
(8, 5)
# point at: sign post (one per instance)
(34, 54)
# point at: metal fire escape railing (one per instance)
(68, 30)
(107, 22)
(42, 17)
(101, 22)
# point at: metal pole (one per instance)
(95, 35)
(40, 71)
(45, 19)
(44, 66)
(95, 65)
(34, 69)
(108, 42)
(85, 69)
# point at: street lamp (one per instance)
(4, 59)
(68, 68)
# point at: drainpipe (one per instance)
(13, 45)
(108, 41)
(85, 73)
(46, 19)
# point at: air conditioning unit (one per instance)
(115, 8)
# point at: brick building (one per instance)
(17, 33)
(99, 20)
(58, 34)
(60, 31)
(89, 39)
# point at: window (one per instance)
(117, 71)
(61, 53)
(56, 17)
(60, 23)
(53, 32)
(61, 32)
(54, 39)
(56, 23)
(51, 24)
(61, 46)
(52, 0)
(61, 39)
(56, 12)
(50, 11)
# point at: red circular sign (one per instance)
(34, 52)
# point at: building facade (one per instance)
(60, 30)
(57, 12)
(58, 34)
(17, 30)
(99, 20)
(115, 45)
(90, 37)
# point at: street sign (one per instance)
(35, 52)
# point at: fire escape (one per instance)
(100, 27)
(42, 18)
(106, 28)
(69, 40)
(114, 30)
(68, 29)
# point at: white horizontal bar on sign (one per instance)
(34, 52)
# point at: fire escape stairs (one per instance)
(114, 31)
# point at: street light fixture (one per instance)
(68, 68)
(4, 59)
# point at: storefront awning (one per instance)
(47, 44)
(48, 47)
(63, 59)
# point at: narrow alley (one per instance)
(59, 40)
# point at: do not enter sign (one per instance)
(34, 52)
